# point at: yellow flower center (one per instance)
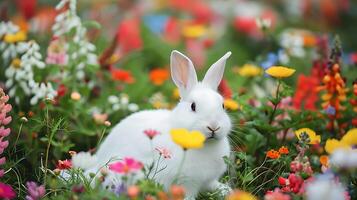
(16, 63)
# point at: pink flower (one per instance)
(151, 133)
(56, 53)
(57, 58)
(163, 152)
(277, 194)
(4, 131)
(64, 164)
(35, 192)
(2, 160)
(6, 191)
(128, 165)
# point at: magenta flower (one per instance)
(128, 165)
(164, 152)
(6, 191)
(34, 191)
(151, 133)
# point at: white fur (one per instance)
(202, 167)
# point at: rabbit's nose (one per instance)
(213, 128)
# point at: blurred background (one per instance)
(200, 27)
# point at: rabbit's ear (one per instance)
(182, 72)
(214, 74)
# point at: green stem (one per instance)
(157, 167)
(275, 104)
(17, 137)
(48, 145)
(101, 137)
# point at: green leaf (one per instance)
(92, 24)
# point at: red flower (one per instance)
(224, 89)
(291, 184)
(64, 164)
(62, 90)
(122, 75)
(27, 8)
(201, 12)
(172, 31)
(6, 191)
(128, 35)
(306, 96)
(353, 58)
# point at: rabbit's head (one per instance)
(201, 106)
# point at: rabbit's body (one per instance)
(195, 174)
(200, 109)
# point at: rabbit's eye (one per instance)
(223, 106)
(193, 106)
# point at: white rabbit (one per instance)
(200, 108)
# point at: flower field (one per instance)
(178, 99)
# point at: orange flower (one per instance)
(122, 75)
(324, 160)
(283, 150)
(178, 192)
(159, 76)
(273, 154)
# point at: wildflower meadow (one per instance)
(178, 99)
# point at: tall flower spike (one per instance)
(334, 88)
(5, 108)
(81, 49)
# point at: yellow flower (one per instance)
(249, 70)
(350, 137)
(347, 141)
(280, 71)
(193, 31)
(230, 104)
(17, 37)
(313, 138)
(16, 63)
(241, 195)
(186, 139)
(333, 144)
(176, 94)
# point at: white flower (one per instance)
(42, 91)
(113, 99)
(124, 99)
(10, 51)
(344, 158)
(326, 188)
(84, 160)
(80, 48)
(293, 42)
(132, 107)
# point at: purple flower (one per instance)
(330, 110)
(119, 189)
(34, 191)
